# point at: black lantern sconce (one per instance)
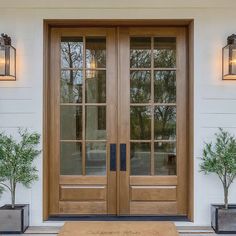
(7, 59)
(229, 58)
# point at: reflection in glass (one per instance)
(95, 86)
(140, 122)
(140, 158)
(71, 86)
(165, 86)
(140, 86)
(71, 122)
(165, 158)
(95, 159)
(95, 122)
(71, 52)
(165, 122)
(140, 52)
(95, 52)
(165, 52)
(71, 158)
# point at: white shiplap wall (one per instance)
(214, 100)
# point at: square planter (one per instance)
(14, 220)
(223, 221)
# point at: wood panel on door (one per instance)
(153, 121)
(83, 121)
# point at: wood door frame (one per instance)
(50, 24)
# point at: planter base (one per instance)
(14, 220)
(223, 221)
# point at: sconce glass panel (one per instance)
(229, 59)
(7, 62)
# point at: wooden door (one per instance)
(83, 121)
(118, 123)
(152, 121)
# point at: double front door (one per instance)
(118, 124)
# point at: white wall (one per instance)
(214, 99)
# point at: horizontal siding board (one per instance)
(217, 120)
(16, 93)
(16, 106)
(213, 92)
(17, 120)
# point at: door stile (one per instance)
(54, 122)
(112, 120)
(123, 120)
(181, 131)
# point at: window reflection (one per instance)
(140, 52)
(140, 158)
(165, 158)
(71, 52)
(165, 122)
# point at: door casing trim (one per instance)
(57, 23)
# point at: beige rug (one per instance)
(119, 228)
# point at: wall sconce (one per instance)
(7, 59)
(229, 58)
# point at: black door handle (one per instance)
(122, 157)
(112, 157)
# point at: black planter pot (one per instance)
(14, 220)
(223, 221)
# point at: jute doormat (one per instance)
(118, 228)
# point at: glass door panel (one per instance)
(152, 98)
(83, 90)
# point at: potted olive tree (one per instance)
(16, 166)
(220, 158)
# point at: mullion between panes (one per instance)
(152, 107)
(83, 110)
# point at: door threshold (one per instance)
(116, 218)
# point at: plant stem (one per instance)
(226, 193)
(13, 195)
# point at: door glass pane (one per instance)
(140, 122)
(95, 52)
(165, 122)
(71, 86)
(165, 86)
(165, 52)
(71, 52)
(140, 52)
(71, 158)
(140, 158)
(95, 86)
(96, 159)
(71, 122)
(140, 86)
(165, 158)
(95, 122)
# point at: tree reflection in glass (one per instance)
(164, 52)
(165, 122)
(71, 86)
(140, 52)
(165, 86)
(140, 86)
(72, 52)
(140, 122)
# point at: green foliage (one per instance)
(16, 161)
(220, 158)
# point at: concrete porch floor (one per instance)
(183, 231)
